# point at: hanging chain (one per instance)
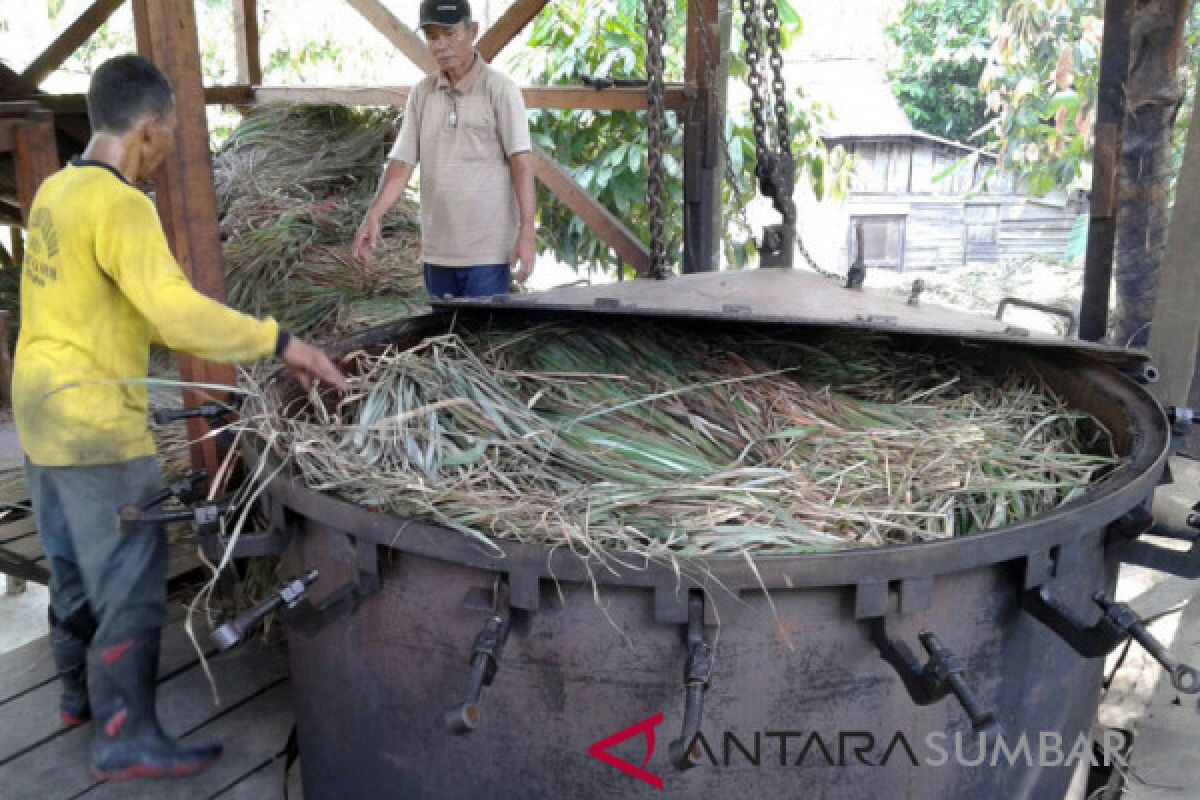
(785, 166)
(773, 168)
(656, 35)
(754, 79)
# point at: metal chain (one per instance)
(752, 35)
(767, 160)
(656, 35)
(783, 129)
(754, 79)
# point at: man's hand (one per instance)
(366, 240)
(307, 364)
(524, 254)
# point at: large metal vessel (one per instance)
(427, 667)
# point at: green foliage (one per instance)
(1040, 82)
(1038, 85)
(943, 47)
(606, 151)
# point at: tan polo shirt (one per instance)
(462, 138)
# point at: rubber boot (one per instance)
(130, 742)
(69, 641)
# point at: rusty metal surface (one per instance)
(781, 296)
(370, 692)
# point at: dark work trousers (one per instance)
(481, 281)
(121, 576)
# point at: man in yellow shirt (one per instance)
(98, 285)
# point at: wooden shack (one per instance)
(930, 203)
(924, 202)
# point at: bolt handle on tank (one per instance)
(947, 669)
(1183, 677)
(697, 674)
(485, 661)
(288, 595)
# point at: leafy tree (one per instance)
(606, 151)
(942, 49)
(1040, 82)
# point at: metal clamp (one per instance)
(857, 273)
(202, 515)
(485, 654)
(289, 595)
(941, 675)
(1129, 549)
(600, 83)
(697, 674)
(1117, 622)
(310, 619)
(914, 293)
(210, 411)
(1067, 314)
(778, 245)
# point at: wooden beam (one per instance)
(166, 34)
(229, 95)
(709, 26)
(11, 85)
(36, 155)
(536, 97)
(18, 245)
(508, 27)
(246, 39)
(627, 246)
(402, 37)
(76, 103)
(70, 40)
(1106, 164)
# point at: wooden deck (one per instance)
(21, 554)
(40, 760)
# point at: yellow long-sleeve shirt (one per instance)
(98, 284)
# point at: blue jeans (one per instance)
(122, 577)
(481, 281)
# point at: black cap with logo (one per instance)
(444, 12)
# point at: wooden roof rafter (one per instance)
(68, 41)
(682, 98)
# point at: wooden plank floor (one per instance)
(40, 760)
(21, 553)
(1163, 765)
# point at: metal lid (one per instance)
(786, 296)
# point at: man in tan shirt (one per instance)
(466, 127)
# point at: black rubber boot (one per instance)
(129, 741)
(69, 640)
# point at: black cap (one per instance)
(444, 12)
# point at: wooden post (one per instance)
(36, 155)
(245, 32)
(1110, 115)
(166, 34)
(707, 70)
(18, 246)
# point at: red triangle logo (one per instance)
(599, 750)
